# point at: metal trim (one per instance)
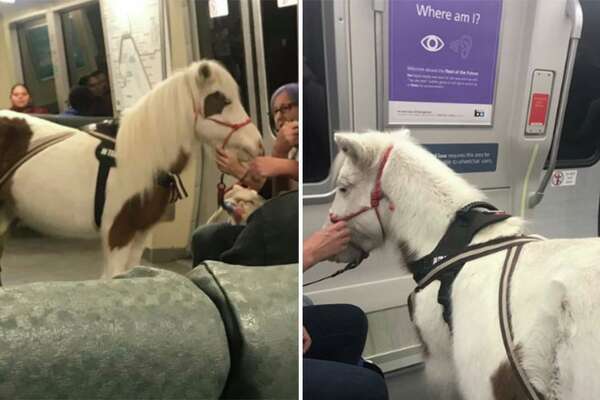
(59, 58)
(249, 62)
(577, 15)
(335, 16)
(261, 72)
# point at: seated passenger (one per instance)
(21, 100)
(335, 334)
(83, 103)
(269, 238)
(212, 241)
(281, 167)
(97, 83)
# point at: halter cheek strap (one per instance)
(376, 196)
(221, 187)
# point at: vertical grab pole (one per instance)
(576, 14)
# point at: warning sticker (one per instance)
(564, 177)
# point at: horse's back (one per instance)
(39, 126)
(555, 312)
(54, 191)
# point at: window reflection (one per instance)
(86, 60)
(36, 60)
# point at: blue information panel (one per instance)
(469, 157)
(442, 61)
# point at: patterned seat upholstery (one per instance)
(147, 334)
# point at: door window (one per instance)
(316, 128)
(36, 59)
(580, 140)
(221, 38)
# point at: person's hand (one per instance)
(267, 166)
(306, 341)
(229, 164)
(287, 137)
(325, 243)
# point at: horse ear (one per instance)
(349, 144)
(205, 71)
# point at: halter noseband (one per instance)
(376, 196)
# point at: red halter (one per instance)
(221, 188)
(376, 196)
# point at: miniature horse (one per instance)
(54, 191)
(391, 189)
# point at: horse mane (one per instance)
(160, 126)
(155, 130)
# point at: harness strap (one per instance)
(106, 160)
(508, 268)
(348, 267)
(35, 147)
(105, 154)
(468, 254)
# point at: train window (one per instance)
(84, 42)
(280, 35)
(36, 59)
(580, 141)
(221, 38)
(86, 55)
(316, 128)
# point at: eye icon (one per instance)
(432, 43)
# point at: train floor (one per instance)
(407, 384)
(30, 257)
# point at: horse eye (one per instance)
(343, 190)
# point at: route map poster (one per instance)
(135, 49)
(442, 61)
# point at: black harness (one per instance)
(468, 221)
(106, 132)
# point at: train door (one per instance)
(479, 83)
(570, 206)
(257, 41)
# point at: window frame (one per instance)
(574, 163)
(336, 42)
(52, 16)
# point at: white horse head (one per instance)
(200, 104)
(418, 194)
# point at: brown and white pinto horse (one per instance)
(53, 192)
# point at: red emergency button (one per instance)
(539, 108)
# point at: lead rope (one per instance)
(348, 267)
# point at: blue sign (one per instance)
(469, 157)
(442, 60)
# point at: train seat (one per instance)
(152, 334)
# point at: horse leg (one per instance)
(137, 248)
(5, 224)
(116, 261)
